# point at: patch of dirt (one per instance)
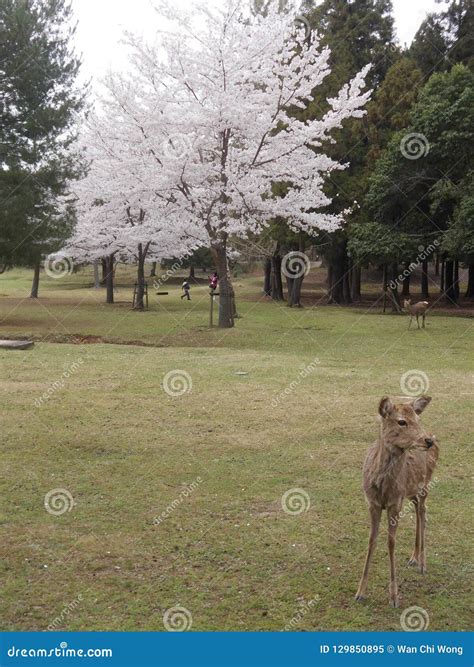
(81, 339)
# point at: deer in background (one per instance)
(416, 310)
(399, 465)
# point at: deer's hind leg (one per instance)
(416, 551)
(375, 514)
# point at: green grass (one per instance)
(126, 450)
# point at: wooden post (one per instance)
(211, 311)
(96, 274)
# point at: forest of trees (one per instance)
(406, 196)
(405, 201)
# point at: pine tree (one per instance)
(38, 109)
(445, 38)
(357, 32)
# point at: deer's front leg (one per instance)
(392, 516)
(422, 519)
(416, 552)
(375, 514)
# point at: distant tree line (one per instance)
(406, 195)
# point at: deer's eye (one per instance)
(401, 422)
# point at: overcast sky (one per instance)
(102, 22)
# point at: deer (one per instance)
(399, 465)
(416, 310)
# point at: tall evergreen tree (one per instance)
(445, 38)
(39, 103)
(357, 32)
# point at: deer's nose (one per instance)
(429, 442)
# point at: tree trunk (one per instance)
(328, 280)
(267, 277)
(103, 262)
(437, 264)
(346, 284)
(36, 279)
(396, 307)
(355, 283)
(95, 265)
(449, 286)
(456, 278)
(336, 287)
(442, 281)
(294, 291)
(109, 279)
(424, 279)
(140, 292)
(153, 270)
(384, 286)
(191, 272)
(406, 282)
(276, 281)
(295, 282)
(226, 291)
(470, 282)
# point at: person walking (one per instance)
(186, 287)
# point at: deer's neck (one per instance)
(390, 463)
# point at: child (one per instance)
(213, 278)
(186, 287)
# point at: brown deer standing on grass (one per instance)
(399, 465)
(416, 310)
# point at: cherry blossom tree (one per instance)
(120, 217)
(214, 101)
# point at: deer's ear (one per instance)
(420, 403)
(385, 406)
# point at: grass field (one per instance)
(177, 499)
